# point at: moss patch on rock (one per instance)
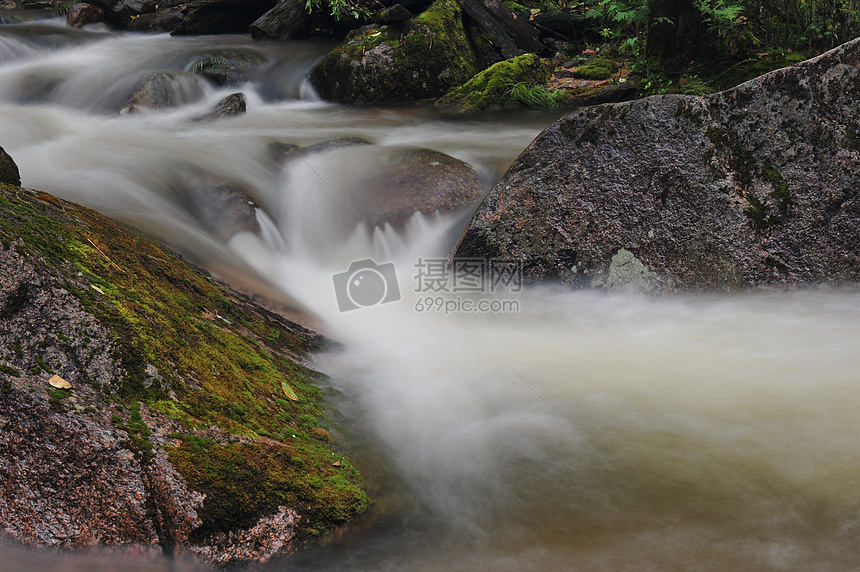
(421, 59)
(204, 357)
(598, 68)
(492, 87)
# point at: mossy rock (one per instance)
(227, 67)
(598, 68)
(492, 87)
(202, 358)
(423, 58)
(8, 169)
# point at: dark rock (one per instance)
(396, 13)
(233, 104)
(82, 14)
(163, 21)
(166, 89)
(612, 93)
(228, 67)
(755, 186)
(424, 58)
(331, 144)
(385, 186)
(509, 33)
(222, 206)
(125, 9)
(287, 20)
(8, 170)
(221, 16)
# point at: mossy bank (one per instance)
(170, 371)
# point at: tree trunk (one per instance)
(676, 35)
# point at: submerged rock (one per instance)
(233, 104)
(386, 186)
(755, 186)
(228, 67)
(422, 58)
(166, 89)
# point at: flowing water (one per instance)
(566, 431)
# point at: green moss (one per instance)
(243, 482)
(422, 58)
(225, 371)
(598, 68)
(8, 370)
(56, 397)
(780, 193)
(492, 87)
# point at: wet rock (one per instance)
(82, 14)
(421, 58)
(163, 21)
(385, 186)
(231, 105)
(226, 208)
(288, 19)
(166, 89)
(220, 16)
(8, 170)
(756, 186)
(396, 13)
(228, 67)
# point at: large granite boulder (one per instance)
(754, 186)
(421, 58)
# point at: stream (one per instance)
(555, 429)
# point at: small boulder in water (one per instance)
(8, 170)
(233, 104)
(81, 14)
(166, 89)
(227, 67)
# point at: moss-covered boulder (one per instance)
(756, 186)
(421, 58)
(192, 423)
(8, 169)
(493, 86)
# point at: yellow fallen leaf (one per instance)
(288, 391)
(59, 382)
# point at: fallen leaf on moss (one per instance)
(288, 391)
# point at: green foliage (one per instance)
(534, 96)
(341, 8)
